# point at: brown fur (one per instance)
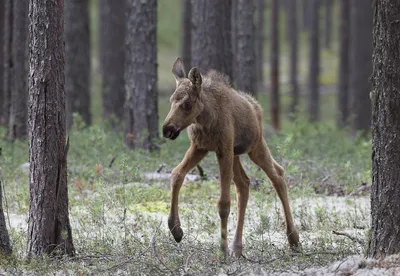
(229, 123)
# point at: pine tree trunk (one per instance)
(306, 8)
(234, 27)
(211, 36)
(49, 228)
(8, 65)
(5, 247)
(385, 193)
(313, 99)
(2, 14)
(360, 64)
(186, 31)
(275, 64)
(141, 114)
(344, 42)
(112, 57)
(18, 119)
(246, 65)
(292, 22)
(260, 43)
(77, 60)
(328, 24)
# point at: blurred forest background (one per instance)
(308, 63)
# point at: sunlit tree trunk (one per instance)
(292, 22)
(313, 82)
(186, 31)
(385, 193)
(328, 24)
(49, 230)
(141, 113)
(275, 64)
(260, 8)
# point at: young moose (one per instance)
(228, 122)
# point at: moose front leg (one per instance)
(225, 161)
(192, 157)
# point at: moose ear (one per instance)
(178, 70)
(195, 76)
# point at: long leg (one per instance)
(261, 156)
(225, 161)
(242, 183)
(192, 157)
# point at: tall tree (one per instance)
(234, 29)
(292, 22)
(328, 24)
(112, 55)
(186, 31)
(5, 247)
(385, 194)
(306, 8)
(360, 63)
(8, 65)
(211, 36)
(18, 118)
(246, 65)
(141, 113)
(49, 228)
(313, 82)
(343, 89)
(275, 64)
(260, 8)
(77, 60)
(2, 13)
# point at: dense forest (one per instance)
(271, 125)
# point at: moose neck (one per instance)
(208, 115)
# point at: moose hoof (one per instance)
(236, 252)
(176, 230)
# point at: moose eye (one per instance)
(186, 105)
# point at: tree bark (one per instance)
(260, 43)
(8, 62)
(5, 247)
(344, 42)
(385, 193)
(77, 60)
(18, 120)
(141, 117)
(360, 64)
(186, 31)
(234, 27)
(211, 36)
(306, 8)
(292, 16)
(112, 57)
(275, 64)
(49, 228)
(2, 19)
(313, 99)
(328, 24)
(246, 65)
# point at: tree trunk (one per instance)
(18, 119)
(186, 31)
(246, 65)
(49, 229)
(112, 57)
(211, 36)
(313, 99)
(234, 17)
(385, 194)
(141, 117)
(306, 8)
(292, 15)
(2, 14)
(343, 93)
(8, 62)
(260, 43)
(360, 64)
(5, 247)
(275, 64)
(77, 60)
(328, 24)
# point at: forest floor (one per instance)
(119, 202)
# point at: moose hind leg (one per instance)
(242, 183)
(261, 156)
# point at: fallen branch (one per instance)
(112, 161)
(353, 238)
(203, 176)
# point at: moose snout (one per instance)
(171, 131)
